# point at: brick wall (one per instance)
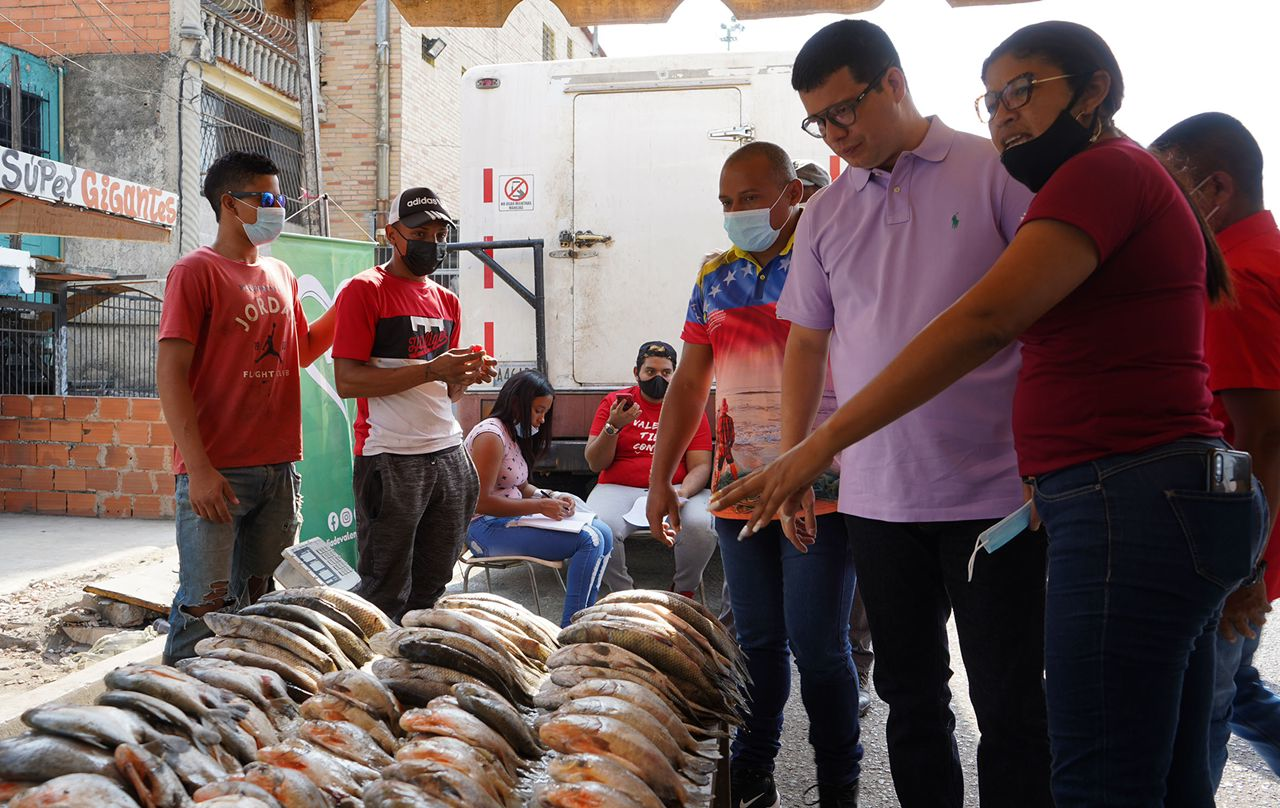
(426, 115)
(131, 26)
(84, 456)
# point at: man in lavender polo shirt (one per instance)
(919, 216)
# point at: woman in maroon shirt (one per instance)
(1104, 284)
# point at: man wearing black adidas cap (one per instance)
(396, 350)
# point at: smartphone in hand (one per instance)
(626, 401)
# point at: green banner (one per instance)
(322, 265)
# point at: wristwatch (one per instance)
(610, 429)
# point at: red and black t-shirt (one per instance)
(390, 322)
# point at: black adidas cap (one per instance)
(417, 206)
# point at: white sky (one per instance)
(1179, 57)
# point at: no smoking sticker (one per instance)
(517, 192)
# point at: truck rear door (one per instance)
(646, 174)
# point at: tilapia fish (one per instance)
(332, 774)
(166, 717)
(448, 785)
(584, 794)
(498, 713)
(42, 757)
(538, 628)
(320, 639)
(642, 697)
(459, 622)
(346, 634)
(194, 768)
(639, 720)
(364, 614)
(471, 760)
(303, 678)
(398, 794)
(364, 690)
(171, 685)
(455, 722)
(292, 789)
(605, 771)
(263, 688)
(346, 740)
(447, 655)
(156, 785)
(238, 801)
(262, 630)
(106, 727)
(689, 610)
(234, 789)
(75, 791)
(326, 707)
(615, 740)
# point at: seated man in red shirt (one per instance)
(620, 449)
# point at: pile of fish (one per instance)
(312, 698)
(641, 680)
(475, 638)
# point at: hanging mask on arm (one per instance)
(1032, 163)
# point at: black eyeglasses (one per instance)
(266, 199)
(843, 114)
(1014, 95)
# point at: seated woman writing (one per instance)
(504, 447)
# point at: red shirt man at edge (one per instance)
(232, 338)
(1220, 164)
(620, 449)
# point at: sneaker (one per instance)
(752, 788)
(845, 796)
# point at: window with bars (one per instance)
(227, 125)
(32, 121)
(548, 43)
(568, 48)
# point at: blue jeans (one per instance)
(782, 599)
(229, 565)
(1242, 704)
(587, 551)
(1141, 557)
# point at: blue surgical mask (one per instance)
(749, 230)
(521, 432)
(267, 228)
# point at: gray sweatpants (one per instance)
(412, 513)
(695, 543)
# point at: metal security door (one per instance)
(646, 174)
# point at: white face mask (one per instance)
(750, 230)
(267, 228)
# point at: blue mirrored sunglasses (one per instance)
(266, 199)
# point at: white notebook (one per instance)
(570, 524)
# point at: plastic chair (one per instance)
(487, 563)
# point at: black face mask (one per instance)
(1032, 163)
(423, 257)
(655, 388)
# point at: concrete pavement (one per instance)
(36, 547)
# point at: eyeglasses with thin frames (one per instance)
(266, 199)
(843, 114)
(1014, 95)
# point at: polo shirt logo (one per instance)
(955, 220)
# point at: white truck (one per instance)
(614, 164)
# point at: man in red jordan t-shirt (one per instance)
(1220, 164)
(620, 449)
(232, 338)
